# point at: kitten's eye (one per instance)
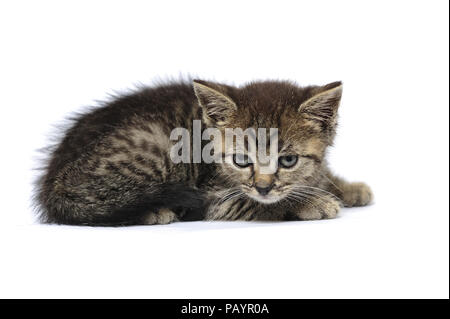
(288, 160)
(241, 160)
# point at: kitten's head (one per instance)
(306, 120)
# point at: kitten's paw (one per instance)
(162, 217)
(320, 210)
(357, 194)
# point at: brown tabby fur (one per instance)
(112, 167)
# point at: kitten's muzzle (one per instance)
(264, 190)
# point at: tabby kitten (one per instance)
(113, 166)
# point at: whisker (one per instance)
(312, 196)
(317, 189)
(332, 183)
(300, 199)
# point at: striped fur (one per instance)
(112, 166)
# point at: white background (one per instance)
(58, 56)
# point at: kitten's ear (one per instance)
(323, 105)
(217, 106)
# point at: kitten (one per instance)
(113, 166)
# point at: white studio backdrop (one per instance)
(393, 57)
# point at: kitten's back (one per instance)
(122, 145)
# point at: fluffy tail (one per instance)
(175, 196)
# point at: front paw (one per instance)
(162, 217)
(320, 209)
(357, 194)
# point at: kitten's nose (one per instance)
(263, 183)
(264, 190)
